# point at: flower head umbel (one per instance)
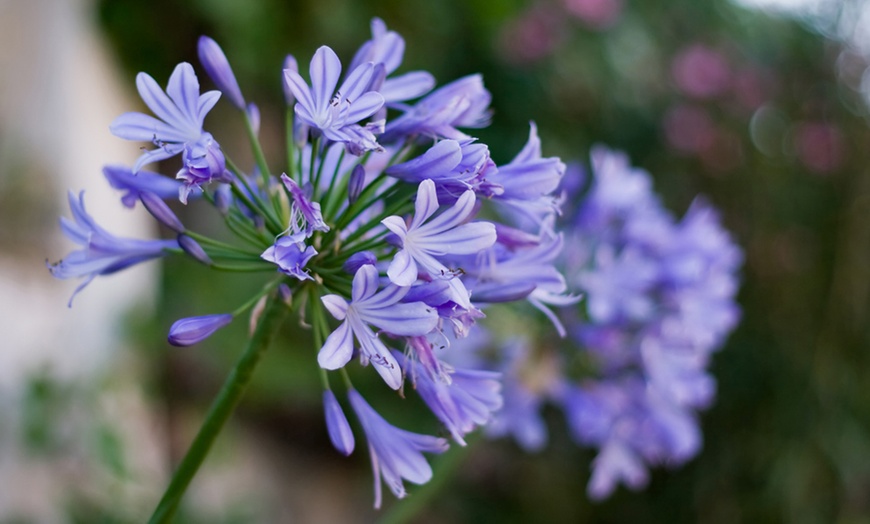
(177, 129)
(386, 234)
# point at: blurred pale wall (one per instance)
(58, 93)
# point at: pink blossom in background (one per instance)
(599, 14)
(819, 146)
(532, 36)
(701, 72)
(688, 128)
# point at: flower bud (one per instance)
(336, 424)
(356, 183)
(190, 331)
(358, 260)
(218, 69)
(192, 248)
(159, 210)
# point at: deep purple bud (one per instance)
(254, 116)
(218, 69)
(159, 210)
(192, 248)
(289, 63)
(190, 331)
(358, 260)
(337, 425)
(356, 183)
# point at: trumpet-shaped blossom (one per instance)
(134, 184)
(461, 103)
(336, 113)
(101, 253)
(396, 454)
(178, 129)
(427, 238)
(383, 310)
(462, 399)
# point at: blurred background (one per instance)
(760, 105)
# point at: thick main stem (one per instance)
(221, 409)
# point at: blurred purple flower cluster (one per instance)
(658, 300)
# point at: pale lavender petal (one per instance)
(405, 319)
(408, 86)
(466, 239)
(402, 270)
(325, 69)
(206, 102)
(183, 89)
(365, 283)
(139, 126)
(426, 203)
(452, 216)
(437, 161)
(396, 225)
(357, 83)
(336, 305)
(338, 348)
(297, 86)
(162, 106)
(365, 106)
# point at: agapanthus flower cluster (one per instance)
(387, 229)
(658, 300)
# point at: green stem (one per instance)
(221, 409)
(443, 469)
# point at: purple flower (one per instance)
(181, 111)
(290, 254)
(616, 462)
(462, 399)
(101, 252)
(216, 65)
(387, 48)
(396, 454)
(461, 103)
(193, 330)
(304, 206)
(336, 115)
(123, 179)
(447, 234)
(382, 309)
(528, 183)
(528, 176)
(454, 168)
(336, 424)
